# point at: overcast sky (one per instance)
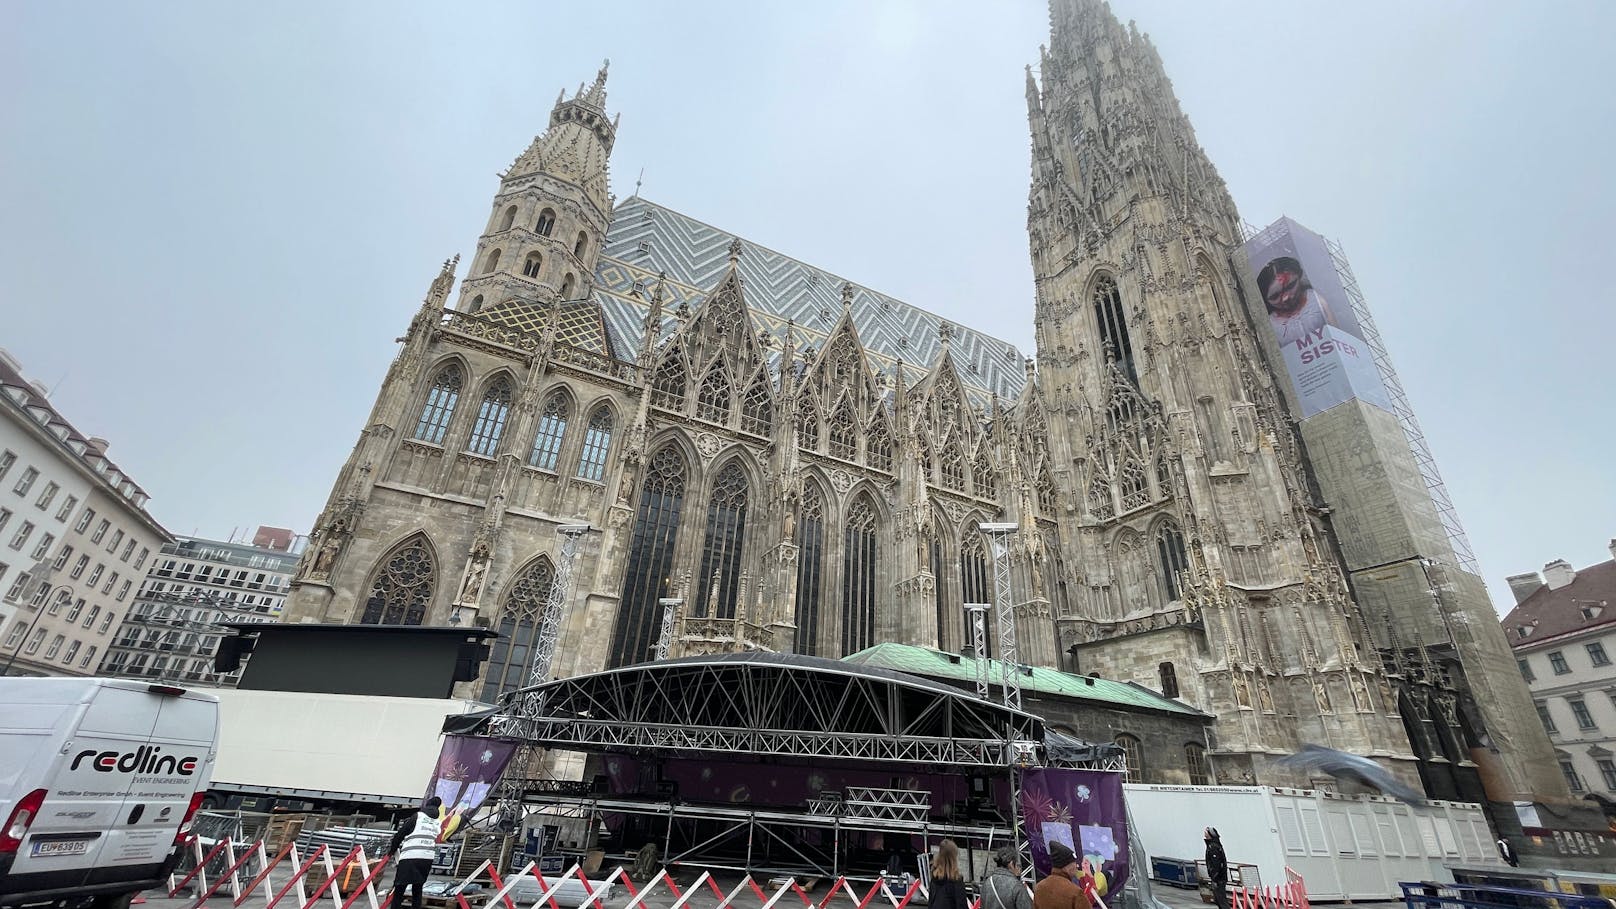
(215, 217)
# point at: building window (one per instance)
(7, 459)
(72, 651)
(974, 584)
(807, 424)
(509, 218)
(84, 520)
(951, 464)
(552, 430)
(78, 608)
(1108, 313)
(1171, 557)
(982, 473)
(1557, 660)
(440, 405)
(1573, 781)
(546, 222)
(18, 585)
(491, 262)
(1195, 759)
(650, 558)
(668, 383)
(1607, 770)
(144, 552)
(55, 646)
(718, 584)
(566, 287)
(878, 446)
(581, 245)
(101, 530)
(1596, 654)
(1135, 754)
(66, 511)
(123, 591)
(95, 613)
(490, 425)
(597, 441)
(78, 568)
(35, 641)
(713, 402)
(63, 597)
(519, 620)
(117, 538)
(530, 267)
(18, 629)
(26, 481)
(757, 408)
(42, 549)
(45, 497)
(402, 589)
(112, 581)
(1579, 709)
(89, 657)
(106, 622)
(95, 576)
(1169, 680)
(128, 550)
(860, 570)
(842, 432)
(1526, 670)
(810, 569)
(1548, 720)
(23, 533)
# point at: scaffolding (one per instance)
(1003, 607)
(1404, 412)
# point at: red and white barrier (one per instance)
(1290, 895)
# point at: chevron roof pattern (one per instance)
(646, 238)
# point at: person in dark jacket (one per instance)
(1217, 867)
(1003, 889)
(1060, 890)
(415, 845)
(947, 884)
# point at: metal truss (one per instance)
(544, 644)
(670, 612)
(976, 615)
(771, 704)
(1009, 671)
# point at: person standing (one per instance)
(415, 844)
(1217, 867)
(1060, 890)
(1507, 853)
(1003, 888)
(947, 884)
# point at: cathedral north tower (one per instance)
(1197, 548)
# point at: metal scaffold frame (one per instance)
(1004, 608)
(976, 615)
(1421, 450)
(544, 643)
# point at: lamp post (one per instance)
(41, 574)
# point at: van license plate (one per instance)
(62, 847)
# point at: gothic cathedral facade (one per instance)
(802, 464)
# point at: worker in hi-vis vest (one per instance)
(416, 847)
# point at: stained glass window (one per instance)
(859, 577)
(1113, 325)
(491, 416)
(718, 584)
(440, 405)
(510, 656)
(1170, 550)
(810, 569)
(401, 591)
(597, 441)
(552, 430)
(650, 558)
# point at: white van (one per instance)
(99, 779)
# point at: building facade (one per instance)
(171, 632)
(1563, 632)
(771, 457)
(75, 537)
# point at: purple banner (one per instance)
(468, 767)
(1083, 809)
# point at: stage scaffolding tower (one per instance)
(999, 536)
(976, 615)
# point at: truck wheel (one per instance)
(112, 901)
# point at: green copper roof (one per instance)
(924, 661)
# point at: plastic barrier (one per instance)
(1290, 895)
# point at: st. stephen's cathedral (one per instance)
(804, 462)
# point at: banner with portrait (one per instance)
(1312, 319)
(468, 768)
(1084, 810)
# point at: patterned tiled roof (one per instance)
(582, 324)
(646, 238)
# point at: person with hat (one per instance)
(416, 845)
(1060, 889)
(1217, 867)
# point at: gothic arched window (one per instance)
(1170, 551)
(807, 424)
(1135, 753)
(942, 587)
(757, 408)
(552, 430)
(546, 222)
(597, 440)
(440, 405)
(668, 383)
(878, 447)
(982, 474)
(1108, 313)
(1168, 677)
(1195, 760)
(509, 219)
(718, 585)
(712, 403)
(492, 262)
(952, 464)
(491, 416)
(650, 558)
(1135, 490)
(1100, 498)
(566, 287)
(1046, 490)
(810, 569)
(843, 432)
(580, 245)
(401, 589)
(511, 655)
(860, 571)
(975, 584)
(476, 303)
(530, 266)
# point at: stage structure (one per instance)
(774, 762)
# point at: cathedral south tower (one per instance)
(1200, 562)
